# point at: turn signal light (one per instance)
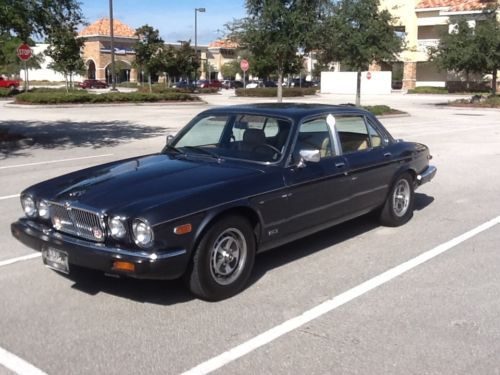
(123, 266)
(183, 229)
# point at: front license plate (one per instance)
(55, 259)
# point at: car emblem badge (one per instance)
(97, 233)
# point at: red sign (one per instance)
(244, 65)
(368, 75)
(24, 52)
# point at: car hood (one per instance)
(141, 182)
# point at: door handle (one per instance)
(387, 155)
(340, 165)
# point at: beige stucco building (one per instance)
(97, 50)
(423, 21)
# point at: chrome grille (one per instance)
(78, 222)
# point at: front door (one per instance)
(317, 191)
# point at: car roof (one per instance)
(295, 111)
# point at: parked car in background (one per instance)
(93, 84)
(234, 182)
(231, 84)
(296, 82)
(204, 84)
(184, 85)
(252, 84)
(256, 84)
(9, 83)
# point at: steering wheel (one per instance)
(260, 145)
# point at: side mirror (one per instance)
(311, 156)
(170, 137)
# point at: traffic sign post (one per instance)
(244, 65)
(25, 53)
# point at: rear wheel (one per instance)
(398, 208)
(223, 260)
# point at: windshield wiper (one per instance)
(172, 148)
(202, 150)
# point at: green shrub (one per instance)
(132, 85)
(481, 101)
(428, 90)
(269, 92)
(379, 110)
(84, 97)
(6, 93)
(44, 82)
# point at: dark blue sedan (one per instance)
(234, 182)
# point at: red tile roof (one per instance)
(102, 27)
(223, 43)
(455, 5)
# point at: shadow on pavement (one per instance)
(67, 134)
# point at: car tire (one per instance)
(223, 260)
(398, 207)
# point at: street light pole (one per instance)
(112, 35)
(196, 10)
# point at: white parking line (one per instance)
(18, 365)
(9, 196)
(19, 259)
(55, 161)
(327, 306)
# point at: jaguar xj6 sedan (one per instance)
(234, 182)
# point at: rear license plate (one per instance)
(55, 259)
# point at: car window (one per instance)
(247, 137)
(353, 133)
(375, 137)
(207, 131)
(268, 124)
(314, 135)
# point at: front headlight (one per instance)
(117, 227)
(143, 233)
(43, 209)
(29, 206)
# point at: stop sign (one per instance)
(24, 52)
(244, 65)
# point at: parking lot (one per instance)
(358, 298)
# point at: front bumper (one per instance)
(169, 264)
(427, 175)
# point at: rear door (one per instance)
(365, 147)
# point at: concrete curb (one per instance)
(102, 105)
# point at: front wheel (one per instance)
(223, 260)
(398, 208)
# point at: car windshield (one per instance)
(245, 136)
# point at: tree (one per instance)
(148, 51)
(64, 49)
(487, 45)
(230, 69)
(9, 62)
(456, 50)
(357, 33)
(186, 60)
(274, 31)
(24, 18)
(471, 50)
(21, 19)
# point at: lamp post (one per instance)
(112, 35)
(196, 10)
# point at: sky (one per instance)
(174, 19)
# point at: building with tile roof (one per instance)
(97, 50)
(423, 21)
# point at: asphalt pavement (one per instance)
(321, 305)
